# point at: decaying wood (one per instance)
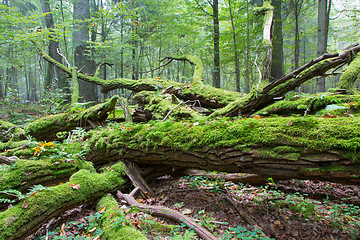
(332, 163)
(46, 128)
(260, 97)
(24, 218)
(8, 160)
(167, 213)
(246, 178)
(133, 173)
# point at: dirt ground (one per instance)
(294, 209)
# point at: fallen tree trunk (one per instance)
(22, 219)
(46, 128)
(282, 148)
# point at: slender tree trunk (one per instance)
(247, 60)
(297, 9)
(80, 39)
(237, 69)
(53, 50)
(277, 68)
(216, 73)
(324, 7)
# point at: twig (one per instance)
(67, 62)
(168, 114)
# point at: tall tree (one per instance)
(277, 67)
(237, 68)
(214, 4)
(53, 49)
(324, 7)
(80, 43)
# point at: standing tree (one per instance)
(80, 42)
(324, 7)
(53, 49)
(277, 67)
(214, 4)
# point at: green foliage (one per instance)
(242, 233)
(14, 195)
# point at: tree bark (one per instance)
(80, 39)
(277, 67)
(324, 7)
(21, 220)
(274, 147)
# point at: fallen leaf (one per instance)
(25, 204)
(111, 215)
(257, 117)
(97, 238)
(62, 230)
(92, 230)
(75, 186)
(102, 209)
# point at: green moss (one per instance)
(25, 173)
(300, 103)
(82, 187)
(350, 75)
(46, 128)
(296, 132)
(11, 145)
(111, 215)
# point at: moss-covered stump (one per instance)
(111, 215)
(293, 147)
(45, 129)
(24, 218)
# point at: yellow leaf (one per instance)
(102, 209)
(257, 117)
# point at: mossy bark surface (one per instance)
(112, 214)
(45, 129)
(350, 75)
(274, 147)
(22, 219)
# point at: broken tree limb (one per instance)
(46, 128)
(262, 97)
(268, 11)
(281, 148)
(24, 218)
(167, 213)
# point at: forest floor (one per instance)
(295, 209)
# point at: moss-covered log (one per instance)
(310, 148)
(206, 95)
(261, 96)
(349, 77)
(25, 173)
(24, 218)
(45, 129)
(112, 214)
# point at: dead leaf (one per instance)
(290, 123)
(257, 117)
(111, 215)
(25, 204)
(75, 186)
(62, 230)
(102, 209)
(92, 230)
(97, 238)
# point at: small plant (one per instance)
(242, 233)
(16, 195)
